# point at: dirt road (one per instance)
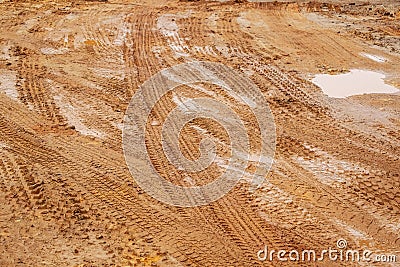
(69, 70)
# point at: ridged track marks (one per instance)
(34, 93)
(96, 34)
(342, 203)
(142, 32)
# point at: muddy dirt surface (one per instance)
(69, 69)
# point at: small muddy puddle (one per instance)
(355, 82)
(374, 58)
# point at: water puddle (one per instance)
(355, 82)
(374, 58)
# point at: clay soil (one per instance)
(69, 69)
